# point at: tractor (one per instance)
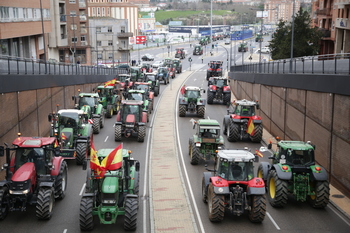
(153, 82)
(242, 122)
(35, 175)
(215, 69)
(243, 47)
(90, 103)
(231, 186)
(178, 65)
(109, 99)
(259, 37)
(198, 50)
(141, 95)
(180, 53)
(191, 101)
(163, 74)
(206, 142)
(131, 121)
(136, 74)
(123, 82)
(73, 131)
(219, 90)
(114, 194)
(293, 170)
(146, 87)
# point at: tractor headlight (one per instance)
(198, 144)
(21, 192)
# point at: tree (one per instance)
(306, 38)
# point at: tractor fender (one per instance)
(96, 115)
(212, 88)
(256, 191)
(131, 196)
(266, 166)
(82, 140)
(118, 123)
(221, 186)
(319, 176)
(206, 177)
(201, 101)
(88, 195)
(46, 184)
(141, 123)
(4, 183)
(226, 89)
(226, 121)
(57, 163)
(143, 118)
(183, 100)
(257, 121)
(281, 174)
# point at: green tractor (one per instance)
(90, 103)
(259, 37)
(206, 142)
(109, 99)
(115, 194)
(293, 171)
(191, 101)
(73, 132)
(153, 82)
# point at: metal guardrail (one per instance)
(26, 66)
(321, 64)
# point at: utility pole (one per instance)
(292, 42)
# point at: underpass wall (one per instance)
(306, 115)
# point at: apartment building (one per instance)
(24, 26)
(333, 18)
(280, 10)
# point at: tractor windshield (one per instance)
(209, 132)
(33, 155)
(131, 109)
(220, 82)
(69, 120)
(242, 110)
(142, 87)
(298, 157)
(122, 78)
(192, 94)
(90, 101)
(240, 171)
(151, 78)
(135, 96)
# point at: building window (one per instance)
(98, 11)
(99, 56)
(72, 1)
(73, 13)
(110, 55)
(82, 38)
(99, 43)
(110, 43)
(98, 29)
(74, 40)
(103, 11)
(109, 29)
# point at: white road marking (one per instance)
(106, 139)
(82, 189)
(273, 221)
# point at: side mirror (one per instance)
(49, 117)
(256, 159)
(2, 151)
(258, 106)
(269, 146)
(84, 164)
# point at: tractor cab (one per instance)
(244, 108)
(295, 153)
(131, 112)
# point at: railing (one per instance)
(27, 66)
(321, 64)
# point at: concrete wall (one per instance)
(307, 115)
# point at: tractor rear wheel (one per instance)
(86, 217)
(216, 205)
(258, 132)
(204, 192)
(321, 198)
(102, 120)
(193, 152)
(210, 97)
(44, 203)
(109, 111)
(81, 153)
(137, 183)
(130, 218)
(4, 194)
(182, 110)
(156, 91)
(227, 99)
(141, 133)
(258, 208)
(277, 190)
(261, 174)
(233, 132)
(96, 125)
(201, 111)
(61, 181)
(117, 133)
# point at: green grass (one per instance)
(162, 15)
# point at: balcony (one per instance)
(124, 34)
(82, 17)
(324, 11)
(325, 33)
(123, 48)
(342, 23)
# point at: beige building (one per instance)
(280, 10)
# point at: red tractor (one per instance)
(35, 175)
(219, 90)
(241, 121)
(215, 69)
(131, 121)
(233, 187)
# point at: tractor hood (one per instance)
(110, 185)
(130, 118)
(25, 172)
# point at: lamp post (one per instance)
(211, 23)
(43, 31)
(292, 41)
(242, 39)
(75, 39)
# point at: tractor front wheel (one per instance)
(201, 111)
(118, 133)
(182, 110)
(156, 91)
(44, 204)
(277, 190)
(109, 111)
(86, 217)
(81, 153)
(141, 133)
(193, 152)
(4, 194)
(61, 181)
(321, 198)
(96, 125)
(210, 97)
(204, 192)
(233, 132)
(258, 132)
(227, 99)
(130, 218)
(261, 174)
(216, 205)
(258, 208)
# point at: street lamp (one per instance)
(43, 31)
(292, 42)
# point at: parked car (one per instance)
(264, 50)
(157, 64)
(147, 57)
(227, 41)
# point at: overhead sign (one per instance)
(140, 39)
(262, 14)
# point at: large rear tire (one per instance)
(261, 174)
(210, 97)
(216, 205)
(201, 111)
(182, 110)
(204, 192)
(81, 153)
(227, 99)
(233, 132)
(117, 133)
(44, 204)
(96, 125)
(193, 152)
(321, 198)
(141, 133)
(109, 111)
(86, 218)
(258, 132)
(130, 217)
(61, 181)
(4, 195)
(277, 190)
(156, 91)
(258, 208)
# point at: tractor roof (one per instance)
(148, 73)
(105, 152)
(136, 91)
(132, 102)
(127, 75)
(218, 77)
(236, 155)
(245, 102)
(35, 142)
(192, 88)
(94, 95)
(208, 122)
(217, 62)
(77, 111)
(141, 83)
(295, 145)
(105, 87)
